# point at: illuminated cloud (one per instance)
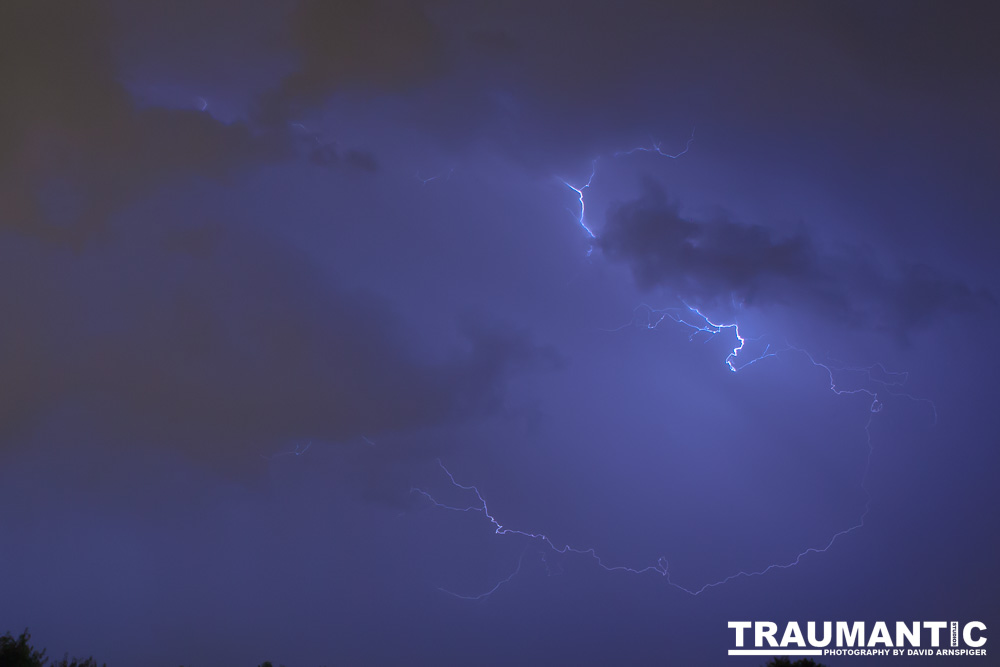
(727, 266)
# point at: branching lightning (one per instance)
(657, 147)
(581, 219)
(493, 590)
(878, 380)
(661, 566)
(707, 326)
(654, 147)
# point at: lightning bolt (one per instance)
(657, 147)
(491, 591)
(444, 175)
(299, 450)
(581, 219)
(661, 566)
(878, 379)
(654, 147)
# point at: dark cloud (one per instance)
(361, 160)
(224, 290)
(540, 83)
(196, 336)
(74, 147)
(327, 155)
(324, 155)
(355, 45)
(224, 346)
(725, 265)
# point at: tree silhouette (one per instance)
(19, 653)
(785, 662)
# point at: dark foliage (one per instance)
(785, 662)
(19, 653)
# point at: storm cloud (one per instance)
(74, 146)
(357, 46)
(224, 346)
(726, 265)
(263, 264)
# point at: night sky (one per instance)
(264, 265)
